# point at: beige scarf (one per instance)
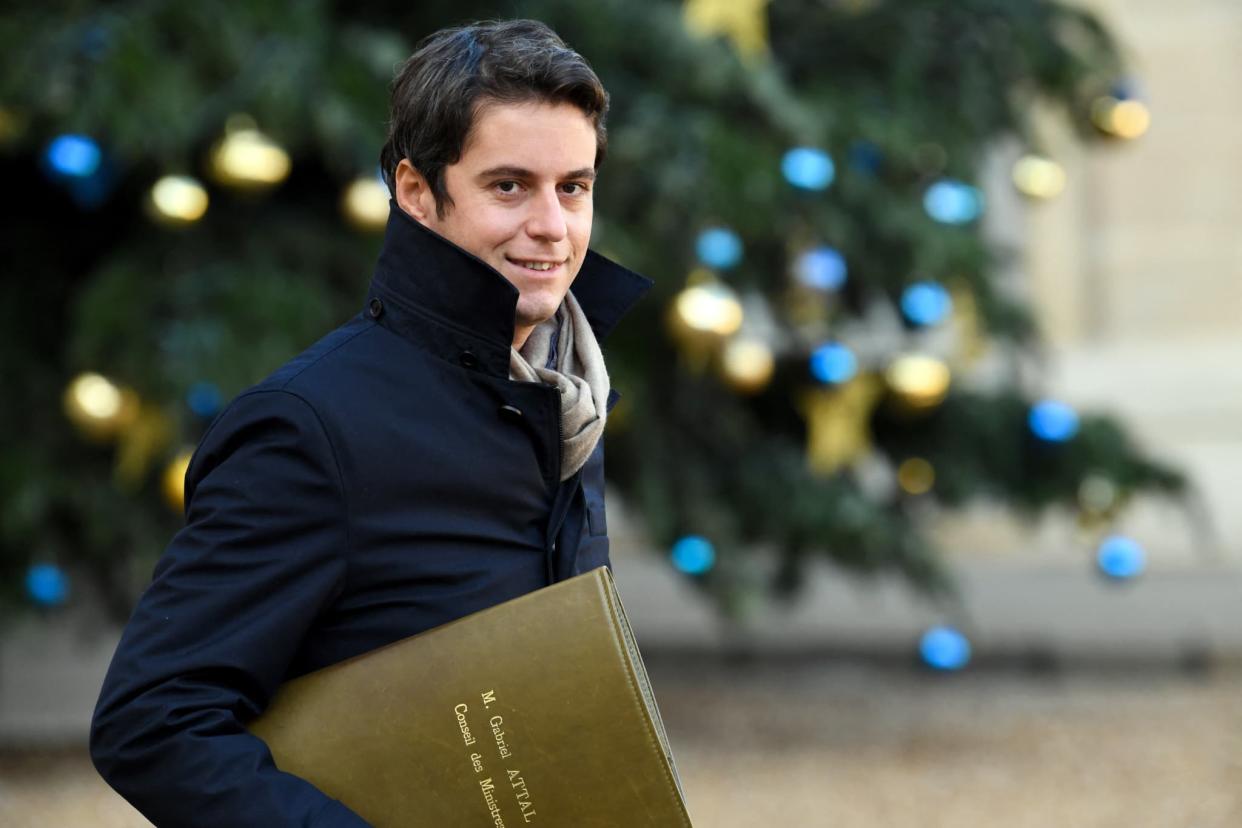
(579, 374)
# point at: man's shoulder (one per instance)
(305, 385)
(318, 361)
(298, 395)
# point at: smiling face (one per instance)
(521, 200)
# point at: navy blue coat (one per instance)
(388, 480)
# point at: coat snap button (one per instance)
(511, 413)
(468, 359)
(375, 308)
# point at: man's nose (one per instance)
(547, 216)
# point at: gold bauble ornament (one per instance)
(711, 310)
(837, 419)
(365, 204)
(1121, 119)
(173, 483)
(139, 446)
(100, 409)
(700, 276)
(1092, 524)
(701, 317)
(177, 200)
(916, 476)
(618, 419)
(1038, 177)
(12, 126)
(1100, 500)
(966, 324)
(1097, 493)
(246, 158)
(919, 382)
(746, 363)
(806, 307)
(745, 22)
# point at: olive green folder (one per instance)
(535, 712)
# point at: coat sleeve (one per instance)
(263, 551)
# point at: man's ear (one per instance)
(413, 194)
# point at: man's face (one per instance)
(522, 200)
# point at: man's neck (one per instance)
(520, 335)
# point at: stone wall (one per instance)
(1135, 272)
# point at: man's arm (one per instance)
(263, 551)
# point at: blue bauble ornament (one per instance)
(72, 156)
(1053, 421)
(821, 268)
(693, 555)
(719, 247)
(953, 202)
(944, 648)
(833, 364)
(47, 585)
(866, 157)
(204, 399)
(1120, 558)
(926, 303)
(808, 168)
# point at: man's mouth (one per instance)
(538, 265)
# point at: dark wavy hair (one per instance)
(438, 92)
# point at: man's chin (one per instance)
(536, 314)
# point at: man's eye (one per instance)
(574, 188)
(507, 186)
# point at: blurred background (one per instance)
(922, 488)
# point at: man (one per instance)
(438, 454)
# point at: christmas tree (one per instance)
(828, 354)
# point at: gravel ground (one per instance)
(816, 743)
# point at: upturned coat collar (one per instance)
(451, 302)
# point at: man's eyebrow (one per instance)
(505, 171)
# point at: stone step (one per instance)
(1062, 615)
